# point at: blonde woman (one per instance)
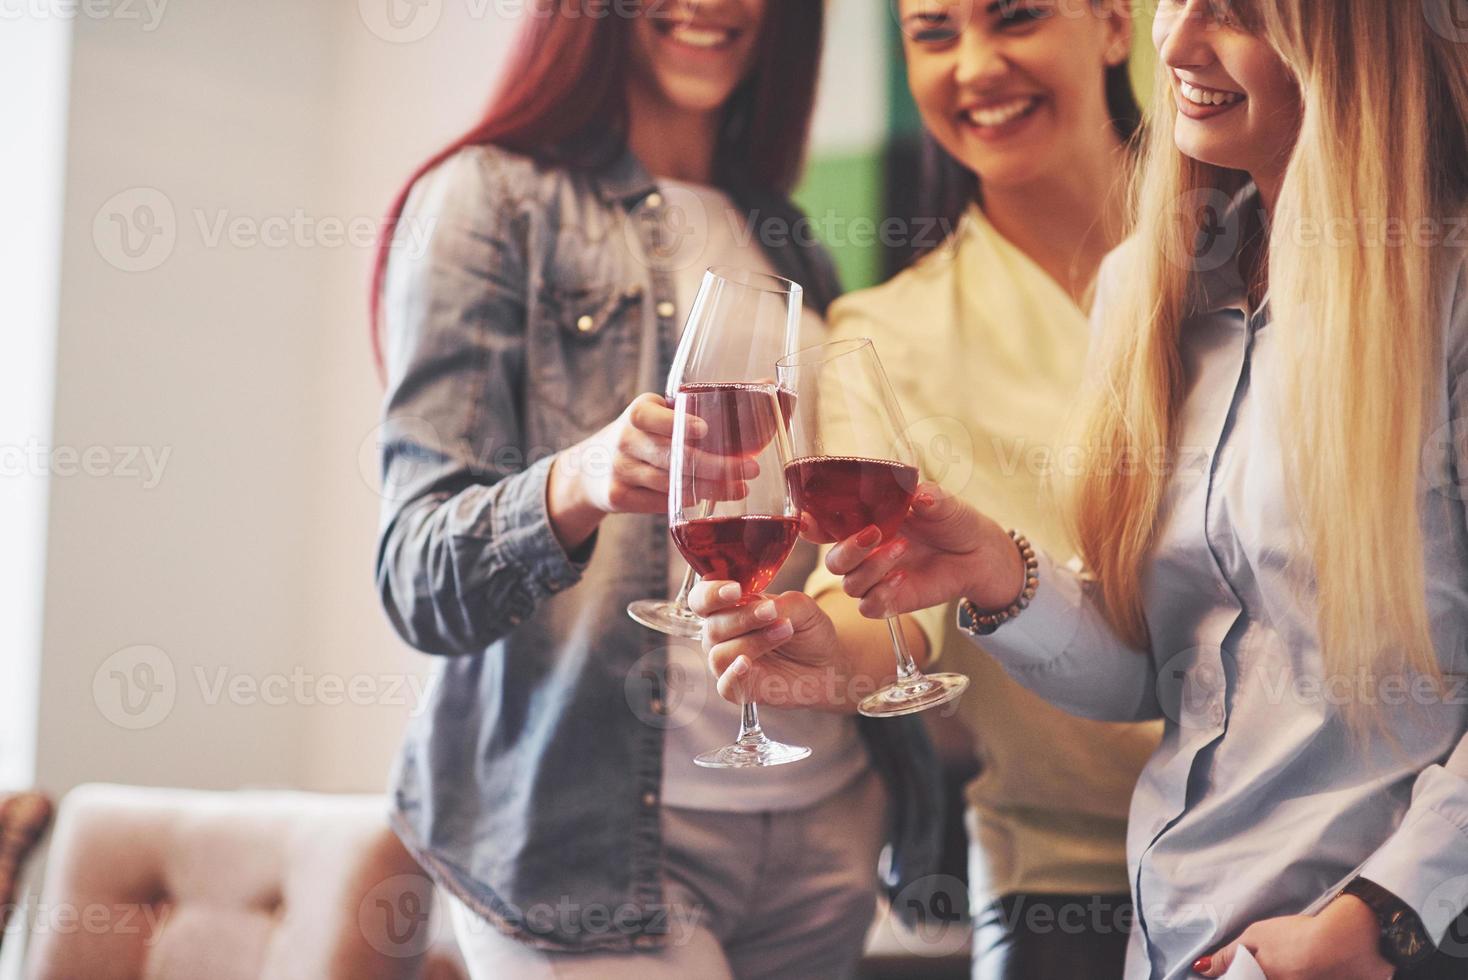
(1268, 500)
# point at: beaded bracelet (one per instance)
(975, 623)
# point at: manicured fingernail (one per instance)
(766, 611)
(869, 536)
(897, 548)
(739, 667)
(897, 578)
(1203, 964)
(923, 501)
(730, 592)
(782, 630)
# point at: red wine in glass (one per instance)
(747, 549)
(844, 494)
(738, 424)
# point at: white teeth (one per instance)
(1208, 97)
(1000, 114)
(699, 37)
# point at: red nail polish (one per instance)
(869, 537)
(1203, 964)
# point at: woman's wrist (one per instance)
(573, 516)
(1000, 575)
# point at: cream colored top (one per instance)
(985, 352)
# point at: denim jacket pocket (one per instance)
(583, 355)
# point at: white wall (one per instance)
(243, 369)
(33, 59)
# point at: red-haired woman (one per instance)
(547, 786)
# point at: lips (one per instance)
(1207, 98)
(699, 37)
(998, 113)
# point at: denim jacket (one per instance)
(529, 784)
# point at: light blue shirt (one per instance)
(1260, 801)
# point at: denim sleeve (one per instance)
(465, 548)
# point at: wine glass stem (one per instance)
(681, 602)
(749, 729)
(907, 670)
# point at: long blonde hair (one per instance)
(1384, 133)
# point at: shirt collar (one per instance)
(624, 180)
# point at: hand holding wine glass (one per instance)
(944, 550)
(739, 637)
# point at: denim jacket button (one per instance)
(649, 799)
(634, 291)
(666, 309)
(654, 200)
(585, 324)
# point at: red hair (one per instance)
(567, 78)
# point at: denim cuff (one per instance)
(520, 522)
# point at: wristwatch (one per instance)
(1404, 940)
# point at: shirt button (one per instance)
(666, 309)
(654, 200)
(649, 799)
(585, 324)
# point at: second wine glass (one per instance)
(853, 468)
(730, 515)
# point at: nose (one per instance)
(1182, 36)
(981, 61)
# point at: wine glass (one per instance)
(854, 467)
(740, 324)
(730, 514)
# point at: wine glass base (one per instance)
(666, 616)
(752, 755)
(927, 691)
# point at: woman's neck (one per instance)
(1068, 222)
(671, 141)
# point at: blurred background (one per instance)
(192, 190)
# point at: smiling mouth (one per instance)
(702, 37)
(1208, 98)
(998, 114)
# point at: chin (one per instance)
(697, 94)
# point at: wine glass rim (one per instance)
(822, 353)
(763, 281)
